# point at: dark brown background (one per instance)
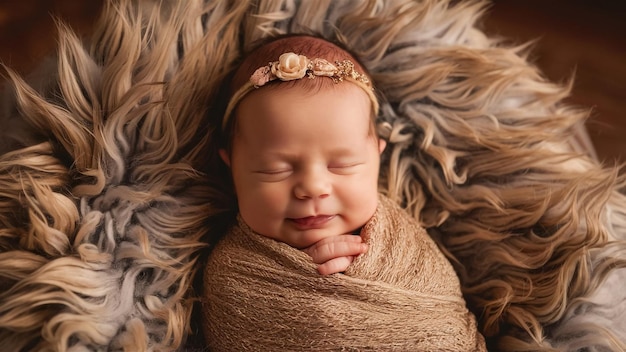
(584, 37)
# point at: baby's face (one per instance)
(305, 162)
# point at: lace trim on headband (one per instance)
(291, 66)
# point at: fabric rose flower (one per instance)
(322, 67)
(261, 76)
(290, 66)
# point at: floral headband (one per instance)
(291, 66)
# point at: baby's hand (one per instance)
(335, 254)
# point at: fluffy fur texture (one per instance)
(104, 208)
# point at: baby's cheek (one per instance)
(361, 199)
(262, 210)
(272, 197)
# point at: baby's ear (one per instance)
(225, 157)
(381, 145)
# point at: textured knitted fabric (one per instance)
(261, 294)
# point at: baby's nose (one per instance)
(313, 184)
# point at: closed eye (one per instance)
(345, 168)
(272, 172)
(273, 175)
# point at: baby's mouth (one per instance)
(312, 222)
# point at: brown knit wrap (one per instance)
(402, 294)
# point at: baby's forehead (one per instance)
(331, 110)
(321, 94)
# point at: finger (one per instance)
(335, 265)
(335, 246)
(339, 238)
(325, 241)
(328, 251)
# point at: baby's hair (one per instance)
(306, 45)
(266, 52)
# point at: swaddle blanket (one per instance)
(402, 294)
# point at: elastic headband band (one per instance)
(291, 66)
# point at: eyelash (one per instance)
(273, 172)
(343, 166)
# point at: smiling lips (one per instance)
(312, 222)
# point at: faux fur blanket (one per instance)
(111, 192)
(402, 295)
